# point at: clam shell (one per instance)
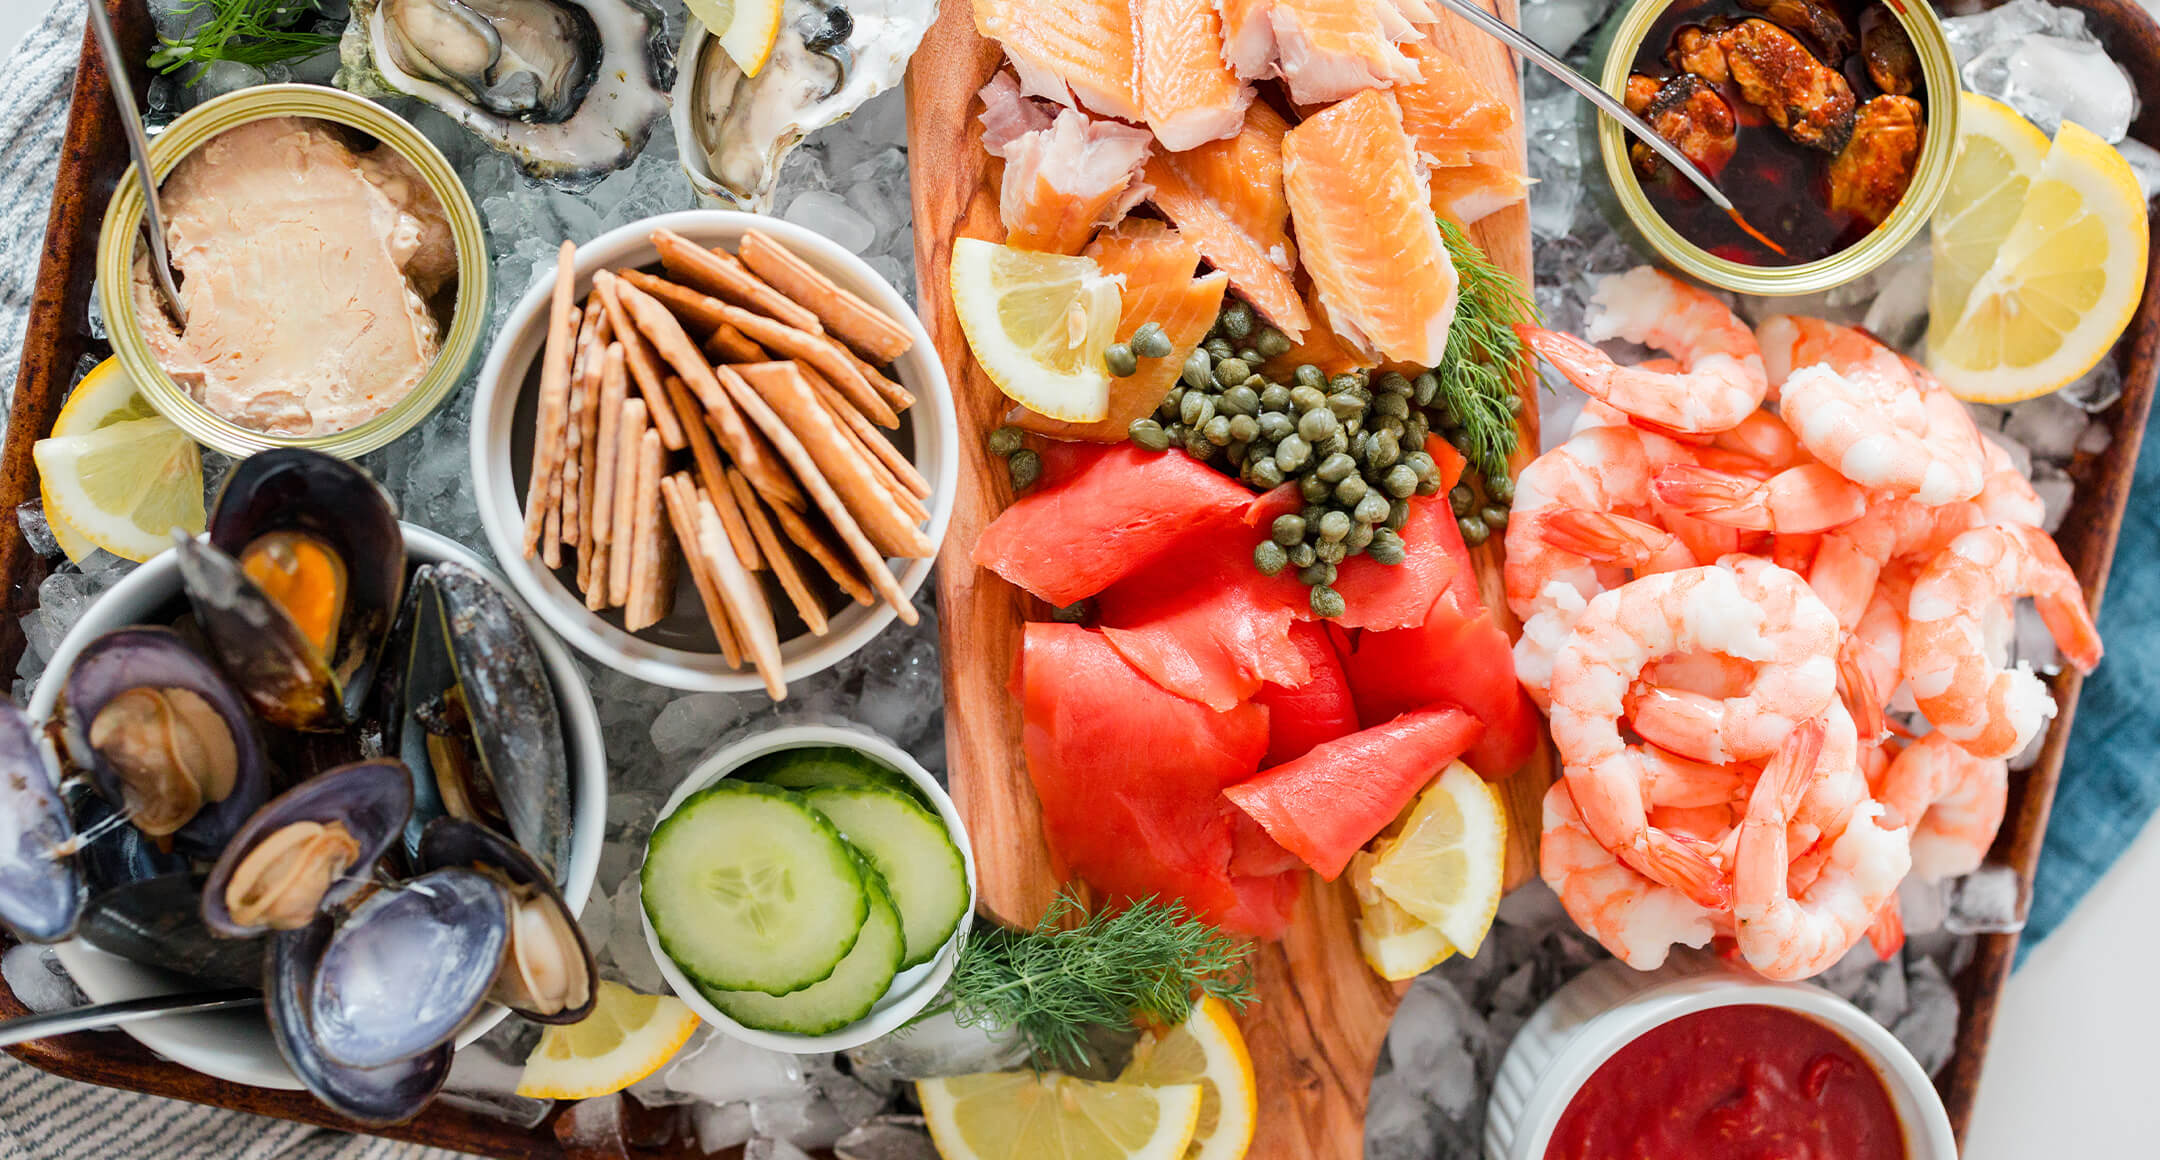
(456, 842)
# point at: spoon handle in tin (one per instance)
(123, 94)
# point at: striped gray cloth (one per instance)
(43, 1117)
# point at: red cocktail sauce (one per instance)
(1732, 1083)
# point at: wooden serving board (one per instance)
(1322, 1015)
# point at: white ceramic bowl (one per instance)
(235, 1045)
(916, 986)
(495, 435)
(1611, 1005)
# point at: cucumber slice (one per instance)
(911, 849)
(750, 889)
(848, 994)
(820, 765)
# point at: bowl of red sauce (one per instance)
(1699, 1062)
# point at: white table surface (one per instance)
(2072, 1061)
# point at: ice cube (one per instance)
(1557, 24)
(1928, 1028)
(2145, 162)
(2097, 389)
(762, 1149)
(33, 972)
(725, 1071)
(1920, 905)
(934, 1046)
(2044, 62)
(2056, 489)
(485, 1083)
(1427, 1040)
(30, 517)
(688, 725)
(1398, 1121)
(722, 1126)
(806, 1119)
(593, 1130)
(2096, 438)
(2031, 642)
(2048, 425)
(1898, 313)
(827, 213)
(887, 1138)
(853, 1100)
(1990, 900)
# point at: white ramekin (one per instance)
(916, 986)
(937, 439)
(1611, 1005)
(235, 1045)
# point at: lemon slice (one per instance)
(2062, 287)
(104, 396)
(1208, 1050)
(1395, 944)
(627, 1037)
(1038, 324)
(746, 29)
(1445, 867)
(1998, 153)
(1025, 1115)
(123, 487)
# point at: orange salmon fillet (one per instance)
(1465, 193)
(1226, 197)
(1159, 287)
(1187, 92)
(1063, 180)
(1447, 112)
(1325, 50)
(1075, 52)
(1320, 347)
(1366, 229)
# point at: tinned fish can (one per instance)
(1619, 191)
(121, 239)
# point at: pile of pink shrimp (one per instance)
(1737, 559)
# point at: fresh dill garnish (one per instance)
(1485, 358)
(251, 32)
(1146, 962)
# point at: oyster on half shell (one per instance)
(832, 55)
(570, 88)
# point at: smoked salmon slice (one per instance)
(1203, 623)
(1318, 710)
(1074, 52)
(1063, 180)
(1187, 92)
(1324, 50)
(1467, 193)
(1226, 197)
(1157, 265)
(1447, 112)
(1366, 230)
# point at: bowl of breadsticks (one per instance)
(714, 451)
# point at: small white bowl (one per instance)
(495, 436)
(235, 1045)
(916, 986)
(1611, 1005)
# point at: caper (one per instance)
(1347, 381)
(1474, 532)
(1274, 424)
(1351, 490)
(1231, 371)
(1199, 368)
(1429, 486)
(1260, 465)
(1422, 463)
(1462, 499)
(1121, 360)
(1308, 375)
(1218, 348)
(1287, 529)
(1169, 409)
(1234, 451)
(1292, 453)
(1301, 554)
(1148, 435)
(1006, 440)
(1216, 430)
(1372, 509)
(1274, 397)
(1358, 447)
(1424, 387)
(1386, 547)
(1316, 573)
(1312, 514)
(1345, 405)
(1328, 603)
(1398, 514)
(1236, 319)
(1392, 426)
(1250, 355)
(1197, 408)
(1360, 536)
(1078, 612)
(1394, 383)
(1271, 342)
(1243, 428)
(1400, 481)
(1494, 515)
(1026, 467)
(1335, 444)
(1150, 341)
(1334, 525)
(1312, 487)
(1331, 550)
(1304, 398)
(1392, 407)
(1384, 452)
(1414, 430)
(1269, 557)
(1257, 382)
(1197, 446)
(1500, 489)
(1336, 468)
(1514, 405)
(1239, 400)
(1460, 439)
(1317, 424)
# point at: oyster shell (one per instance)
(571, 88)
(733, 131)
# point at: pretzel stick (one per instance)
(643, 370)
(806, 469)
(675, 345)
(551, 538)
(629, 440)
(682, 512)
(614, 387)
(554, 397)
(711, 474)
(847, 470)
(746, 602)
(873, 445)
(870, 331)
(791, 578)
(718, 273)
(639, 609)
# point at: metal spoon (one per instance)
(102, 1015)
(123, 94)
(1496, 27)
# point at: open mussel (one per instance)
(297, 584)
(376, 1097)
(308, 850)
(165, 737)
(547, 971)
(41, 891)
(408, 966)
(473, 713)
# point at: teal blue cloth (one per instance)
(2111, 772)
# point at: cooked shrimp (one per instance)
(1790, 342)
(1952, 801)
(1759, 613)
(1633, 917)
(1789, 935)
(1870, 655)
(1856, 406)
(1808, 498)
(1851, 559)
(1722, 380)
(1959, 615)
(2006, 496)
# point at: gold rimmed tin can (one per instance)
(120, 239)
(1614, 56)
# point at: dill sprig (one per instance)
(1485, 357)
(1148, 962)
(251, 32)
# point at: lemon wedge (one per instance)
(627, 1037)
(1396, 945)
(746, 29)
(1208, 1050)
(1447, 864)
(1038, 324)
(1025, 1115)
(2063, 285)
(115, 474)
(1998, 153)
